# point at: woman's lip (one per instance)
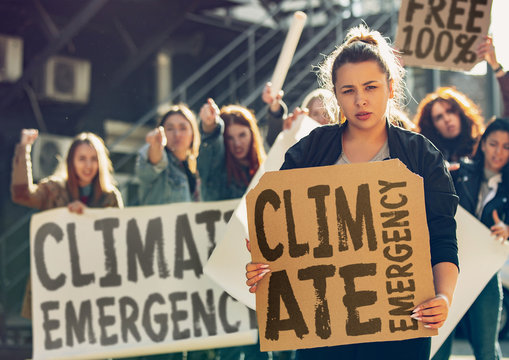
(363, 115)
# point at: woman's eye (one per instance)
(347, 91)
(371, 87)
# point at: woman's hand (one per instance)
(486, 51)
(453, 166)
(433, 312)
(156, 137)
(76, 207)
(209, 113)
(287, 124)
(271, 99)
(254, 272)
(28, 136)
(500, 229)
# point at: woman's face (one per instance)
(496, 150)
(363, 93)
(445, 119)
(179, 135)
(86, 164)
(318, 112)
(238, 141)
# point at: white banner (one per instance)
(228, 271)
(127, 282)
(480, 257)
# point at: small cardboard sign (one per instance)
(348, 249)
(442, 34)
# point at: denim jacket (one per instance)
(163, 183)
(215, 184)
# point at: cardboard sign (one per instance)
(228, 271)
(128, 282)
(348, 249)
(442, 34)
(476, 246)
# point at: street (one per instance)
(461, 350)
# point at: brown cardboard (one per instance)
(300, 195)
(442, 34)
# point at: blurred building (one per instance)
(107, 66)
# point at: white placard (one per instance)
(480, 257)
(128, 282)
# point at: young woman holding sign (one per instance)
(367, 80)
(85, 181)
(483, 188)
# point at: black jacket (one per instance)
(467, 180)
(322, 147)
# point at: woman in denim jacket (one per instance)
(166, 165)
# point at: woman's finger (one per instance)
(496, 218)
(254, 276)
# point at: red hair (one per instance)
(472, 123)
(236, 114)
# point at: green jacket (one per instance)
(215, 184)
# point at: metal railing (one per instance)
(333, 28)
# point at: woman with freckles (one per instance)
(367, 81)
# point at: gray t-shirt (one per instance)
(382, 154)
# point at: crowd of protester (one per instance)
(215, 157)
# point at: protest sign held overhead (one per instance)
(442, 34)
(119, 282)
(348, 249)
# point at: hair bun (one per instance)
(367, 39)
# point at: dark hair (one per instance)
(236, 114)
(495, 124)
(362, 44)
(471, 120)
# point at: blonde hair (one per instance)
(325, 97)
(362, 44)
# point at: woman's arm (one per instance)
(209, 115)
(145, 170)
(23, 189)
(157, 141)
(434, 312)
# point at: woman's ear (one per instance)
(391, 89)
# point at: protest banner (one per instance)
(476, 247)
(228, 271)
(442, 34)
(127, 282)
(348, 249)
